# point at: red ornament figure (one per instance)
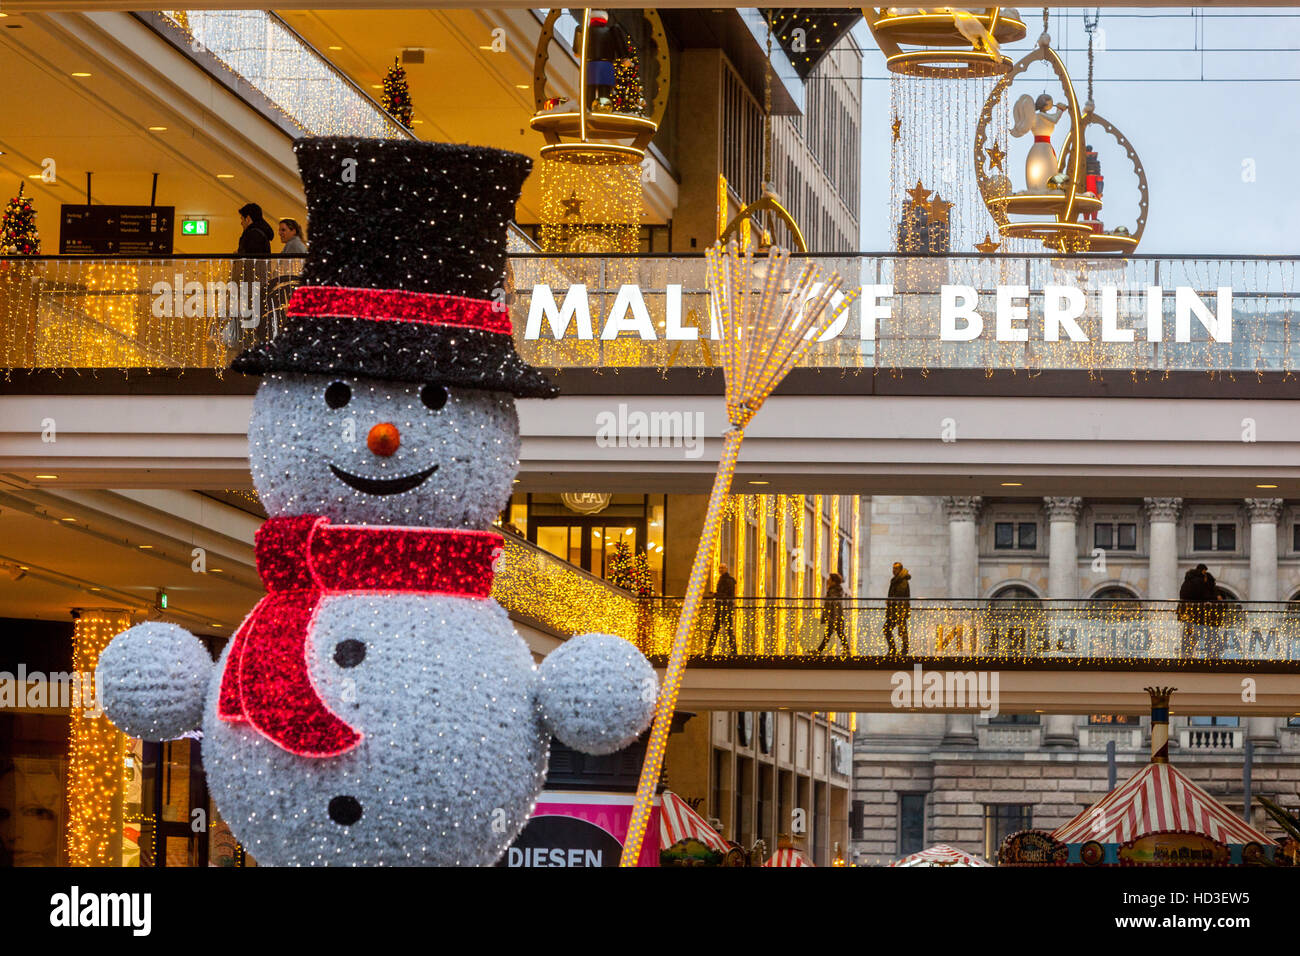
(1093, 184)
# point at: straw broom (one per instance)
(759, 342)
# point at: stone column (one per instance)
(1060, 730)
(1062, 547)
(1264, 513)
(963, 549)
(959, 731)
(1263, 731)
(1162, 545)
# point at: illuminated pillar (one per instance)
(1264, 513)
(819, 540)
(96, 751)
(1162, 573)
(963, 551)
(1062, 547)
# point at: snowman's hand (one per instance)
(152, 680)
(596, 692)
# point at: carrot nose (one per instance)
(384, 439)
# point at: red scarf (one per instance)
(301, 561)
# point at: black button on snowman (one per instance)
(377, 707)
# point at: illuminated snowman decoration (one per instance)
(378, 707)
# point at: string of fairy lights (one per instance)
(96, 754)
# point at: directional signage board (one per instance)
(116, 230)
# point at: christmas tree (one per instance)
(18, 236)
(630, 574)
(628, 97)
(397, 94)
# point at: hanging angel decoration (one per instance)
(1033, 115)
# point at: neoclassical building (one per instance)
(921, 779)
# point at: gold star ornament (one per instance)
(896, 126)
(919, 196)
(572, 206)
(996, 155)
(938, 209)
(988, 246)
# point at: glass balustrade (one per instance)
(1215, 315)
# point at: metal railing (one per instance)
(983, 632)
(115, 312)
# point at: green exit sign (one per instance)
(194, 227)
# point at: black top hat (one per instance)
(403, 277)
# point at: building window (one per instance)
(857, 825)
(1005, 719)
(1293, 721)
(1000, 821)
(1115, 535)
(1097, 719)
(1214, 721)
(1214, 537)
(911, 823)
(1015, 535)
(1295, 537)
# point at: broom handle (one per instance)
(667, 702)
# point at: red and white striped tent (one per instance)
(941, 855)
(677, 821)
(788, 857)
(1158, 799)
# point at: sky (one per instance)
(1209, 98)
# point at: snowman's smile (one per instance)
(382, 486)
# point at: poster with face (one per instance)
(31, 811)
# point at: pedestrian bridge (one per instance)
(1064, 657)
(888, 404)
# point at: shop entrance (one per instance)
(587, 542)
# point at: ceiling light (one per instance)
(217, 570)
(1266, 486)
(46, 477)
(760, 482)
(225, 175)
(67, 519)
(628, 531)
(522, 86)
(146, 547)
(94, 589)
(376, 86)
(488, 48)
(81, 74)
(334, 48)
(33, 175)
(415, 122)
(157, 129)
(1011, 484)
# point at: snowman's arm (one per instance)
(596, 692)
(152, 680)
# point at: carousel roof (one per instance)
(677, 821)
(788, 857)
(1157, 798)
(941, 855)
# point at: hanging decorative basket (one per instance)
(577, 133)
(944, 42)
(1052, 215)
(1121, 243)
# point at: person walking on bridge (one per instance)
(898, 607)
(724, 607)
(833, 613)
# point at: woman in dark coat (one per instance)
(833, 613)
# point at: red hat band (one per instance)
(398, 305)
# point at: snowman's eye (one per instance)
(434, 397)
(338, 394)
